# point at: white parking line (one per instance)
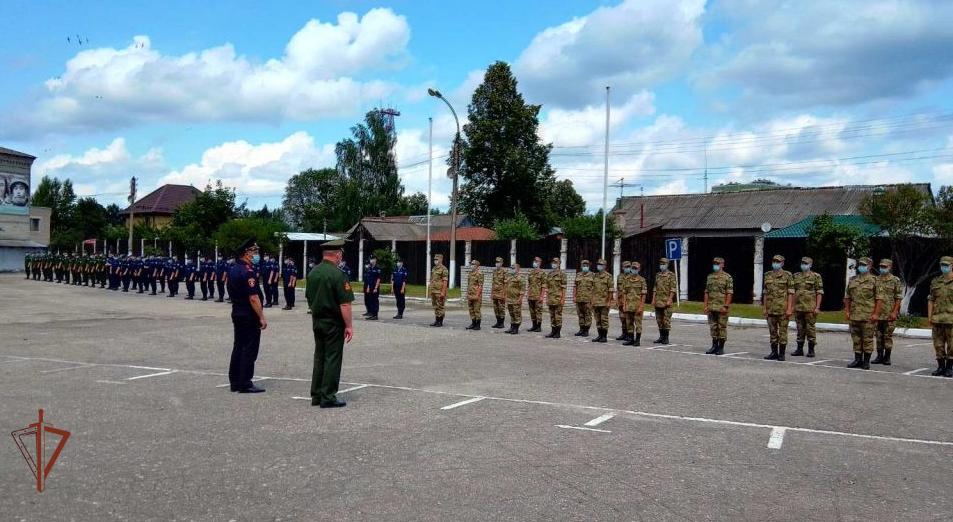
(599, 420)
(563, 426)
(462, 403)
(777, 438)
(737, 354)
(352, 388)
(813, 363)
(157, 374)
(111, 382)
(918, 344)
(256, 379)
(68, 368)
(914, 372)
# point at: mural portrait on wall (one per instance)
(14, 192)
(4, 190)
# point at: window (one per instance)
(34, 224)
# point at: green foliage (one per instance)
(909, 321)
(589, 227)
(232, 233)
(386, 260)
(902, 212)
(113, 216)
(310, 199)
(829, 243)
(412, 205)
(61, 199)
(517, 227)
(505, 168)
(194, 223)
(565, 202)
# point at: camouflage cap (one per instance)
(601, 262)
(778, 257)
(585, 262)
(438, 256)
(807, 260)
(866, 261)
(946, 260)
(886, 262)
(626, 264)
(499, 260)
(663, 260)
(718, 260)
(636, 264)
(556, 260)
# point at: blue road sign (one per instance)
(673, 248)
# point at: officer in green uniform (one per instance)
(862, 309)
(602, 294)
(26, 264)
(515, 289)
(719, 289)
(940, 316)
(534, 294)
(475, 295)
(439, 280)
(555, 298)
(777, 303)
(329, 298)
(662, 297)
(583, 298)
(498, 293)
(632, 303)
(891, 293)
(808, 293)
(620, 283)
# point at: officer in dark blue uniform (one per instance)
(221, 271)
(125, 272)
(152, 272)
(205, 274)
(289, 277)
(173, 272)
(189, 275)
(346, 269)
(112, 265)
(162, 273)
(136, 267)
(263, 273)
(372, 288)
(248, 318)
(399, 283)
(273, 281)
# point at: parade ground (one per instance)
(448, 424)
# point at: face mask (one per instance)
(884, 271)
(776, 266)
(373, 262)
(715, 268)
(436, 262)
(600, 268)
(255, 259)
(585, 269)
(310, 265)
(555, 266)
(635, 270)
(805, 268)
(400, 264)
(862, 269)
(945, 269)
(499, 265)
(535, 264)
(627, 270)
(662, 268)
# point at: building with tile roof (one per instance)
(156, 208)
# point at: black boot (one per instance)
(552, 333)
(665, 336)
(477, 326)
(866, 364)
(799, 351)
(858, 361)
(556, 332)
(949, 368)
(940, 368)
(638, 340)
(601, 337)
(514, 329)
(886, 361)
(472, 324)
(631, 340)
(720, 349)
(661, 337)
(438, 322)
(714, 347)
(583, 332)
(774, 353)
(499, 322)
(537, 327)
(623, 337)
(781, 349)
(810, 349)
(880, 357)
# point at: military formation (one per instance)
(157, 275)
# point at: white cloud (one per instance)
(587, 126)
(629, 46)
(316, 77)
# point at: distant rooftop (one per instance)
(164, 200)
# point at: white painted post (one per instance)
(758, 268)
(304, 257)
(512, 252)
(393, 246)
(683, 271)
(616, 260)
(850, 270)
(467, 249)
(360, 260)
(563, 253)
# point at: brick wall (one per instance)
(488, 282)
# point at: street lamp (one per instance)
(454, 171)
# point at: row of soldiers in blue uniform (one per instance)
(151, 274)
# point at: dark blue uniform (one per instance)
(243, 283)
(152, 272)
(112, 267)
(207, 278)
(173, 272)
(135, 267)
(221, 270)
(289, 277)
(372, 295)
(400, 279)
(125, 271)
(189, 274)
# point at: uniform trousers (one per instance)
(328, 355)
(241, 369)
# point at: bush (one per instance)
(518, 227)
(386, 261)
(909, 321)
(589, 227)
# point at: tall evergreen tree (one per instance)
(370, 185)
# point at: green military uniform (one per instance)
(719, 288)
(808, 286)
(941, 317)
(890, 290)
(861, 298)
(583, 298)
(601, 301)
(662, 295)
(555, 297)
(515, 286)
(621, 280)
(632, 304)
(439, 278)
(498, 293)
(534, 294)
(776, 299)
(328, 288)
(475, 296)
(26, 265)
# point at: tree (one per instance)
(61, 199)
(412, 205)
(310, 199)
(565, 202)
(517, 227)
(113, 216)
(505, 168)
(89, 217)
(369, 184)
(194, 223)
(829, 243)
(386, 261)
(589, 227)
(231, 234)
(910, 220)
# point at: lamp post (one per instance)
(454, 171)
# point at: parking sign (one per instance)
(673, 248)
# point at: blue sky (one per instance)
(807, 92)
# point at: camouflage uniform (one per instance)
(718, 287)
(555, 296)
(941, 319)
(778, 289)
(890, 291)
(665, 289)
(807, 286)
(621, 281)
(632, 304)
(514, 298)
(601, 300)
(534, 294)
(583, 298)
(861, 297)
(498, 294)
(475, 295)
(439, 275)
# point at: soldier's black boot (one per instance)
(866, 364)
(799, 351)
(514, 329)
(631, 340)
(664, 336)
(774, 353)
(623, 337)
(499, 322)
(557, 332)
(781, 349)
(661, 337)
(720, 348)
(601, 335)
(638, 340)
(477, 325)
(436, 321)
(880, 357)
(714, 347)
(472, 324)
(886, 361)
(949, 368)
(552, 333)
(940, 368)
(583, 332)
(857, 362)
(810, 349)
(537, 326)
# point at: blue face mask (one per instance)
(255, 259)
(635, 270)
(776, 266)
(805, 268)
(945, 269)
(862, 269)
(662, 268)
(884, 271)
(600, 268)
(585, 269)
(715, 268)
(535, 264)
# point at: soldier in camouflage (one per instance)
(498, 293)
(662, 297)
(777, 303)
(475, 295)
(891, 293)
(632, 303)
(602, 297)
(808, 293)
(555, 298)
(583, 298)
(534, 294)
(862, 306)
(515, 289)
(940, 317)
(439, 280)
(719, 289)
(621, 281)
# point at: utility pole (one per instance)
(706, 168)
(132, 203)
(605, 180)
(454, 174)
(429, 263)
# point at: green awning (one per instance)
(799, 229)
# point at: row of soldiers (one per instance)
(152, 274)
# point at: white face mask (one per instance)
(499, 265)
(535, 264)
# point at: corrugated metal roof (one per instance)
(744, 210)
(408, 228)
(799, 229)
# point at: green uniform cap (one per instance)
(946, 260)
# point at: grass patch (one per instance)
(411, 290)
(752, 311)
